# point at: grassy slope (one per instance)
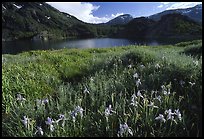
(41, 74)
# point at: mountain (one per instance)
(39, 20)
(194, 13)
(175, 25)
(26, 19)
(170, 25)
(120, 20)
(137, 27)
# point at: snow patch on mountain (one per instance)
(47, 17)
(3, 7)
(17, 6)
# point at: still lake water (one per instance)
(15, 47)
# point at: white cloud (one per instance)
(165, 3)
(160, 6)
(115, 15)
(179, 5)
(82, 10)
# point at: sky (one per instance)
(101, 12)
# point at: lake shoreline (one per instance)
(18, 46)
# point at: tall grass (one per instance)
(136, 91)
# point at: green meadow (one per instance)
(140, 91)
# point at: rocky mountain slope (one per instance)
(194, 13)
(120, 20)
(39, 20)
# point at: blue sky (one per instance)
(136, 9)
(100, 12)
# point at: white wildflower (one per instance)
(160, 118)
(73, 115)
(130, 66)
(25, 121)
(124, 129)
(39, 131)
(170, 114)
(158, 98)
(163, 57)
(152, 105)
(80, 110)
(164, 90)
(168, 91)
(163, 87)
(134, 103)
(178, 114)
(157, 66)
(77, 110)
(44, 101)
(195, 62)
(86, 91)
(133, 97)
(91, 79)
(192, 84)
(49, 121)
(51, 128)
(109, 110)
(41, 102)
(139, 94)
(133, 100)
(20, 98)
(154, 92)
(136, 75)
(142, 66)
(138, 82)
(61, 117)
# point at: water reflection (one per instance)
(15, 47)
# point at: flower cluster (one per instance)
(169, 115)
(138, 82)
(124, 128)
(42, 102)
(133, 100)
(77, 110)
(49, 121)
(165, 90)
